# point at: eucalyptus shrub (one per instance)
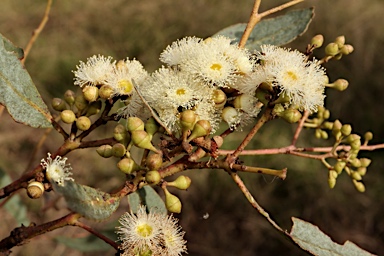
(240, 76)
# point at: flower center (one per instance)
(144, 230)
(216, 66)
(180, 91)
(125, 86)
(291, 76)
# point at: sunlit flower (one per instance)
(123, 74)
(180, 51)
(57, 170)
(301, 80)
(94, 72)
(140, 233)
(172, 237)
(150, 234)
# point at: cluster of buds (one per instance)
(78, 108)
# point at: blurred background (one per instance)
(79, 29)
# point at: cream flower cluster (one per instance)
(150, 234)
(57, 170)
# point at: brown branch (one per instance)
(22, 234)
(37, 31)
(299, 128)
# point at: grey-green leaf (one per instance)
(310, 238)
(276, 31)
(149, 197)
(17, 90)
(89, 202)
(14, 205)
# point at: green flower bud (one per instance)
(340, 41)
(201, 128)
(359, 185)
(172, 202)
(69, 97)
(339, 166)
(324, 135)
(142, 139)
(154, 161)
(326, 114)
(331, 182)
(355, 162)
(119, 133)
(105, 92)
(328, 125)
(356, 176)
(352, 138)
(80, 102)
(35, 189)
(317, 41)
(346, 129)
(83, 123)
(290, 115)
(182, 182)
(356, 144)
(263, 96)
(58, 104)
(339, 84)
(318, 133)
(368, 136)
(283, 98)
(104, 151)
(152, 177)
(365, 162)
(118, 150)
(135, 124)
(332, 49)
(243, 102)
(67, 116)
(336, 126)
(187, 120)
(91, 93)
(362, 170)
(346, 49)
(94, 108)
(127, 165)
(151, 126)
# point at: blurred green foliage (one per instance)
(78, 29)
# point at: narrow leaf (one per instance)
(89, 202)
(149, 197)
(310, 238)
(276, 31)
(14, 206)
(18, 92)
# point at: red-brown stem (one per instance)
(299, 128)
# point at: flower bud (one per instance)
(127, 165)
(201, 128)
(182, 182)
(346, 129)
(318, 133)
(346, 49)
(317, 41)
(105, 92)
(340, 41)
(352, 138)
(359, 185)
(135, 124)
(324, 135)
(244, 102)
(362, 170)
(231, 116)
(67, 116)
(326, 114)
(151, 126)
(355, 162)
(368, 136)
(118, 150)
(339, 84)
(69, 97)
(290, 115)
(262, 96)
(356, 175)
(336, 129)
(58, 104)
(339, 166)
(328, 125)
(172, 202)
(80, 102)
(83, 123)
(154, 161)
(365, 162)
(355, 144)
(220, 98)
(94, 108)
(142, 139)
(35, 189)
(91, 93)
(119, 133)
(104, 151)
(187, 120)
(332, 49)
(152, 177)
(331, 182)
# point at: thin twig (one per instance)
(299, 128)
(37, 31)
(99, 235)
(280, 8)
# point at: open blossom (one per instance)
(57, 170)
(150, 234)
(93, 72)
(301, 80)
